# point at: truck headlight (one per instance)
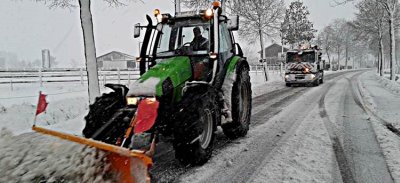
(312, 76)
(287, 76)
(132, 100)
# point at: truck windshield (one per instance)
(184, 38)
(302, 57)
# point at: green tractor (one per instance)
(194, 78)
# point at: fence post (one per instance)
(40, 77)
(81, 73)
(119, 76)
(11, 85)
(104, 78)
(256, 69)
(129, 78)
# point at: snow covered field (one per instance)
(68, 103)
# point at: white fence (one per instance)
(12, 77)
(49, 76)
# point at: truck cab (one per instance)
(304, 66)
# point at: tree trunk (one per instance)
(329, 59)
(90, 50)
(378, 61)
(347, 56)
(382, 55)
(392, 49)
(263, 55)
(261, 44)
(338, 58)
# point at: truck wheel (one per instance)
(194, 127)
(316, 83)
(288, 85)
(100, 112)
(241, 106)
(322, 79)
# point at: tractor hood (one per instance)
(176, 69)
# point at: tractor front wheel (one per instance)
(102, 112)
(195, 125)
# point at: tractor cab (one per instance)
(204, 37)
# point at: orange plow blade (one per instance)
(132, 165)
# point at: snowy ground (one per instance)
(298, 134)
(382, 98)
(68, 103)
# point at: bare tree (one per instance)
(88, 38)
(391, 6)
(338, 39)
(325, 41)
(370, 24)
(196, 4)
(259, 18)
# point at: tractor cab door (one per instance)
(225, 44)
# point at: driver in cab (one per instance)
(199, 42)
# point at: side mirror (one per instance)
(136, 31)
(233, 23)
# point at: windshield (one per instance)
(184, 38)
(300, 57)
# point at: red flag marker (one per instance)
(41, 106)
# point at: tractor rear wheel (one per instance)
(194, 127)
(101, 112)
(241, 106)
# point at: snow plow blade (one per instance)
(131, 165)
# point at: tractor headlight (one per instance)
(132, 100)
(208, 13)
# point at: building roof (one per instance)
(115, 56)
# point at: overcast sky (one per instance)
(27, 27)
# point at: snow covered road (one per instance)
(302, 135)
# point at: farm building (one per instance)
(116, 60)
(273, 54)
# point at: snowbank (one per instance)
(260, 86)
(19, 117)
(381, 98)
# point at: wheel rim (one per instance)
(206, 135)
(244, 103)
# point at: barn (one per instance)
(116, 60)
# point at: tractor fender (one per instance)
(230, 78)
